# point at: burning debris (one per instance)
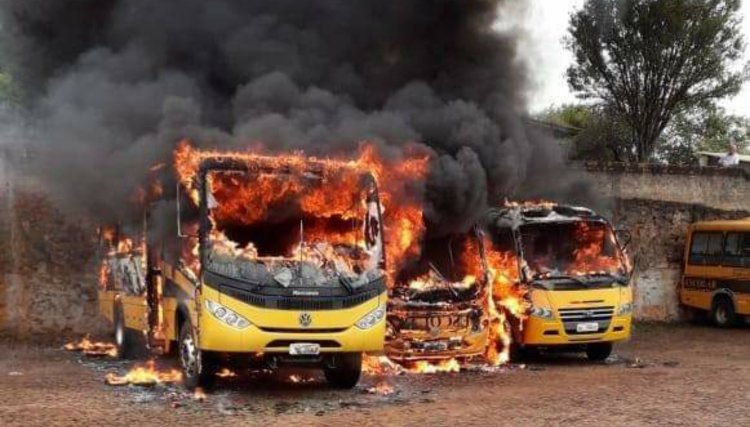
(382, 388)
(92, 348)
(145, 375)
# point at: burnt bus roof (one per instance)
(276, 165)
(515, 216)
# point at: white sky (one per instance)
(547, 23)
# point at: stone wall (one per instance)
(658, 232)
(47, 280)
(657, 203)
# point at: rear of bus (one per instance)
(716, 278)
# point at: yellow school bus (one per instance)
(716, 276)
(575, 276)
(252, 260)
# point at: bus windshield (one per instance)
(574, 249)
(302, 230)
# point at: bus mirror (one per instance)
(623, 237)
(179, 216)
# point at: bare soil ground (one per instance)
(667, 375)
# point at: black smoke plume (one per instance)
(114, 84)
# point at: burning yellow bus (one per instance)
(252, 260)
(572, 272)
(437, 308)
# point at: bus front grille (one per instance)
(573, 317)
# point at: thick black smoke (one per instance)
(114, 84)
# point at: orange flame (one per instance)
(92, 348)
(145, 375)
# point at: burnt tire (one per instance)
(130, 343)
(722, 313)
(599, 351)
(345, 370)
(198, 367)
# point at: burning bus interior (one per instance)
(559, 242)
(297, 230)
(448, 268)
(293, 223)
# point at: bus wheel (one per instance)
(345, 370)
(722, 312)
(129, 344)
(599, 351)
(198, 368)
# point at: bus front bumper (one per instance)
(552, 332)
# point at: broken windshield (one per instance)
(571, 250)
(452, 263)
(292, 229)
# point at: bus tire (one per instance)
(722, 312)
(599, 351)
(345, 371)
(198, 367)
(128, 341)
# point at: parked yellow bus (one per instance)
(241, 264)
(716, 276)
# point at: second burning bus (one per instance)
(576, 273)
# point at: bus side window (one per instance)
(706, 248)
(698, 245)
(733, 250)
(715, 249)
(745, 250)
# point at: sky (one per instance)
(547, 23)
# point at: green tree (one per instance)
(601, 134)
(711, 129)
(652, 59)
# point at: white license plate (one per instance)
(304, 349)
(587, 327)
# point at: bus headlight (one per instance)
(624, 309)
(542, 312)
(372, 318)
(226, 315)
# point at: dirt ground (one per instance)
(667, 375)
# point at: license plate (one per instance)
(304, 349)
(587, 327)
(436, 346)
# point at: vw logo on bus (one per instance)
(305, 319)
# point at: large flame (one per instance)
(402, 216)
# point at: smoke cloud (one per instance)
(114, 84)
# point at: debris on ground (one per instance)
(92, 348)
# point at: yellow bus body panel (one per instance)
(214, 335)
(550, 332)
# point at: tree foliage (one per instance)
(653, 59)
(711, 130)
(601, 134)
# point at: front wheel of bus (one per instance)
(599, 351)
(129, 344)
(344, 370)
(198, 369)
(723, 314)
